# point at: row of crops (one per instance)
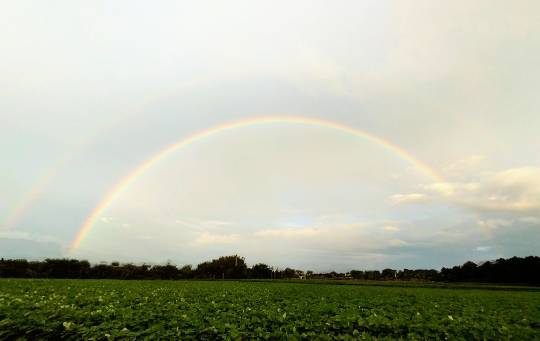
(108, 309)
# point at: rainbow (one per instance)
(124, 183)
(28, 199)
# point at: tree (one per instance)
(512, 270)
(357, 274)
(288, 273)
(373, 275)
(228, 267)
(186, 272)
(260, 270)
(388, 274)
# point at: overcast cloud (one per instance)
(89, 90)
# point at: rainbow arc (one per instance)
(128, 180)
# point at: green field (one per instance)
(108, 309)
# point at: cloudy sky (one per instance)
(91, 90)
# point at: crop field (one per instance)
(108, 309)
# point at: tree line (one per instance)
(512, 270)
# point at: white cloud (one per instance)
(207, 238)
(465, 166)
(512, 190)
(408, 198)
(289, 233)
(217, 223)
(531, 220)
(442, 188)
(448, 189)
(14, 235)
(346, 238)
(144, 237)
(493, 224)
(28, 236)
(291, 224)
(516, 189)
(326, 229)
(397, 242)
(106, 220)
(483, 248)
(203, 223)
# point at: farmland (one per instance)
(109, 309)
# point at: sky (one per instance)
(90, 91)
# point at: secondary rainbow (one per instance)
(125, 182)
(28, 199)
